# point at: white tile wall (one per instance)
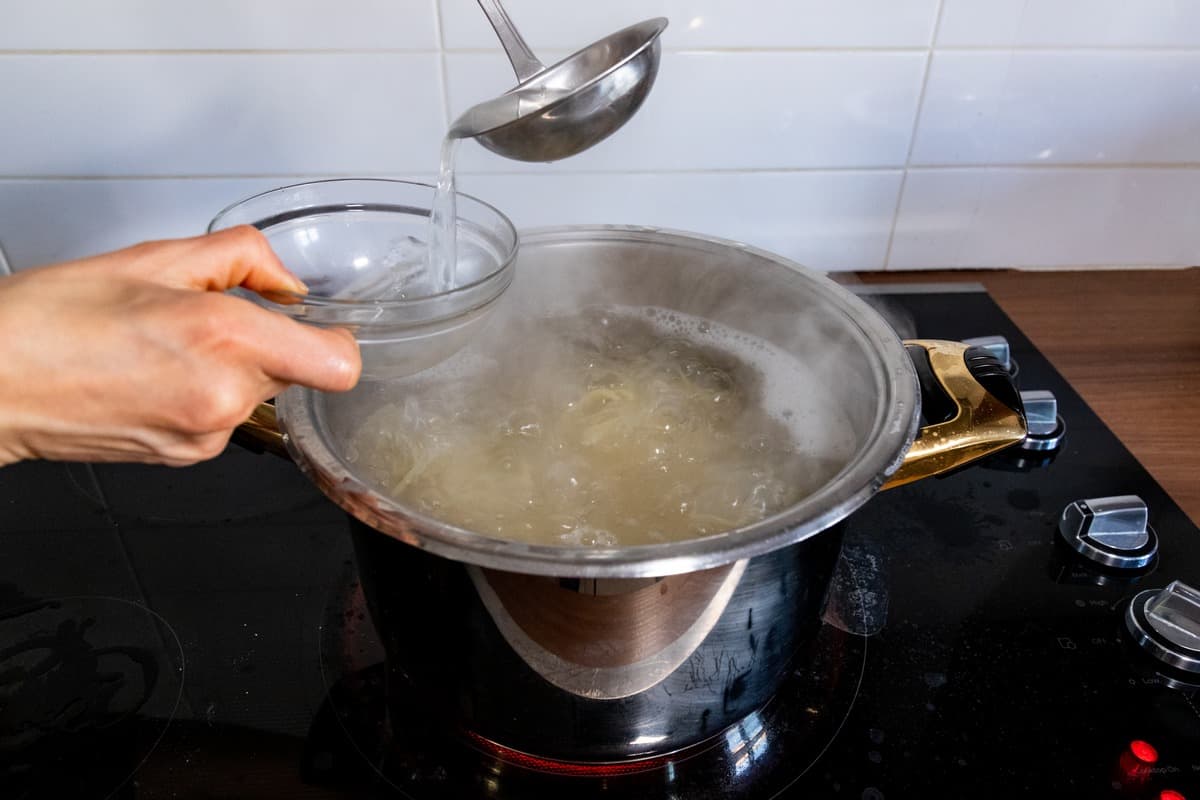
(218, 25)
(56, 220)
(218, 114)
(832, 220)
(1048, 218)
(1070, 23)
(842, 133)
(1060, 107)
(706, 24)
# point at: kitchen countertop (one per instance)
(1127, 340)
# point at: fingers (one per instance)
(289, 352)
(152, 361)
(329, 362)
(217, 261)
(237, 256)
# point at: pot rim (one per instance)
(897, 418)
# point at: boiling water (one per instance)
(616, 426)
(443, 255)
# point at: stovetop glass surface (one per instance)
(165, 633)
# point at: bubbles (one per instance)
(406, 263)
(611, 427)
(524, 422)
(588, 537)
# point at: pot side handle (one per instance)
(261, 434)
(970, 408)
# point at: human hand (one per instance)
(137, 355)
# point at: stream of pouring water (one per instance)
(443, 250)
(443, 217)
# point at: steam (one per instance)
(612, 426)
(794, 356)
(899, 318)
(807, 368)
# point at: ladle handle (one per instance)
(523, 61)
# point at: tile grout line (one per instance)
(217, 51)
(440, 31)
(848, 170)
(912, 139)
(848, 48)
(49, 178)
(1044, 166)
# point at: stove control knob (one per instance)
(1111, 531)
(1166, 623)
(998, 347)
(1045, 427)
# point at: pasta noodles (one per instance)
(604, 431)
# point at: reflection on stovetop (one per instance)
(190, 650)
(88, 685)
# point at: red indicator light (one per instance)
(1144, 752)
(1170, 794)
(1137, 761)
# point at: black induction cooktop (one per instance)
(198, 633)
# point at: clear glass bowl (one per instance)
(360, 245)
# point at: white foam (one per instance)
(793, 393)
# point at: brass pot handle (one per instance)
(260, 433)
(969, 405)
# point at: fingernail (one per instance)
(294, 283)
(348, 371)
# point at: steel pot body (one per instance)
(580, 670)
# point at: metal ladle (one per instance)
(560, 110)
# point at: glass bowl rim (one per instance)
(508, 257)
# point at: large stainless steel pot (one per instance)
(583, 653)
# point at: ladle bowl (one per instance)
(563, 109)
